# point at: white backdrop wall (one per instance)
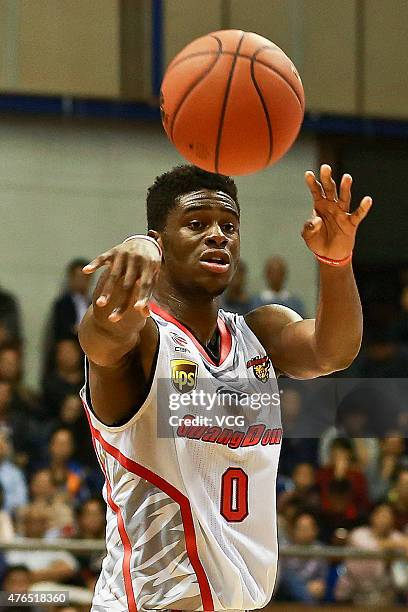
(70, 189)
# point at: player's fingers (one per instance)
(111, 279)
(345, 192)
(315, 187)
(146, 286)
(132, 273)
(131, 279)
(144, 295)
(328, 183)
(311, 227)
(121, 309)
(362, 211)
(96, 263)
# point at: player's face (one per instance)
(201, 241)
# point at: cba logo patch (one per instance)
(183, 375)
(261, 367)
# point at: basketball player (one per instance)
(191, 517)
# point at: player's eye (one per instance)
(228, 227)
(195, 225)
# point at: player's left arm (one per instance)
(330, 342)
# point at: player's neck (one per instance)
(198, 315)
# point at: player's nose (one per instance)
(216, 237)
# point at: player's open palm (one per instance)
(127, 285)
(331, 231)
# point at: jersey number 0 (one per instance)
(234, 495)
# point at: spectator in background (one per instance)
(11, 369)
(402, 422)
(67, 311)
(341, 466)
(17, 425)
(300, 579)
(236, 297)
(357, 417)
(398, 498)
(382, 357)
(275, 278)
(400, 330)
(91, 519)
(303, 489)
(91, 526)
(67, 378)
(44, 565)
(11, 362)
(12, 478)
(10, 320)
(381, 471)
(67, 475)
(44, 492)
(286, 516)
(297, 446)
(17, 581)
(72, 416)
(370, 581)
(6, 524)
(340, 513)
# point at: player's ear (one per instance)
(156, 236)
(153, 234)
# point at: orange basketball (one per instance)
(232, 102)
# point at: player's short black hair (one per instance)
(162, 195)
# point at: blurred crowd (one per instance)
(344, 487)
(50, 483)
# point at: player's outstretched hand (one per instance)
(332, 230)
(127, 285)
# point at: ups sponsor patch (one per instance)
(183, 375)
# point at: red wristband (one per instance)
(334, 262)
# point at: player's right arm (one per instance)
(116, 334)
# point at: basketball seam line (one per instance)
(268, 120)
(192, 86)
(249, 57)
(224, 103)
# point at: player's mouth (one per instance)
(215, 261)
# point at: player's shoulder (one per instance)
(267, 322)
(271, 316)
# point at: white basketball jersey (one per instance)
(190, 481)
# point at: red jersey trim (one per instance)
(186, 515)
(130, 596)
(127, 547)
(225, 334)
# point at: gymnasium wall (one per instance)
(351, 54)
(71, 189)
